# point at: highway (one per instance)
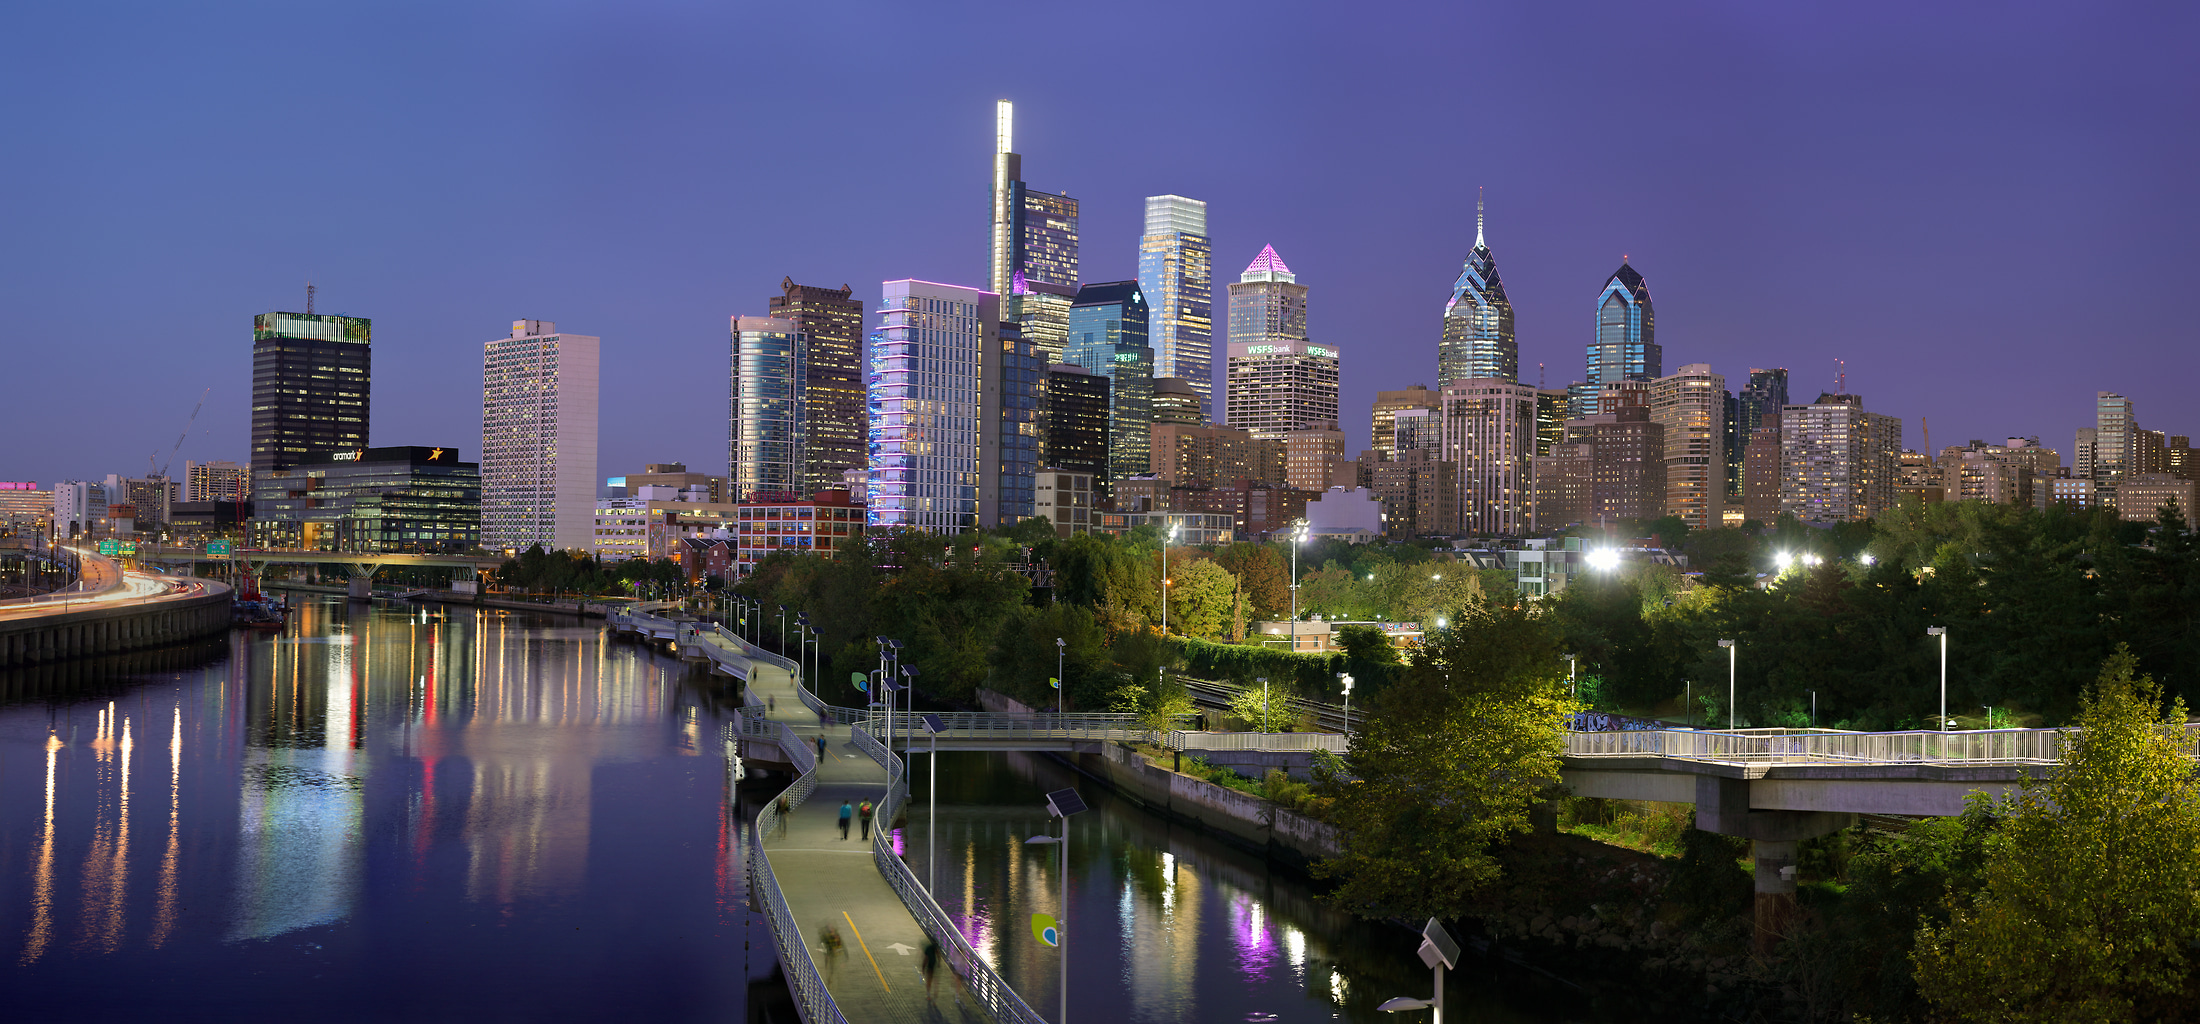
(105, 585)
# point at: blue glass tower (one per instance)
(1627, 346)
(1107, 335)
(1478, 322)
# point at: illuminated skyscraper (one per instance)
(1766, 392)
(1489, 432)
(1626, 346)
(770, 410)
(833, 413)
(1690, 406)
(953, 431)
(538, 438)
(1107, 335)
(312, 375)
(1838, 463)
(1383, 424)
(1478, 321)
(1034, 249)
(1175, 268)
(1276, 381)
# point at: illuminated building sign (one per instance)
(17, 485)
(350, 456)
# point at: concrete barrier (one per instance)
(86, 632)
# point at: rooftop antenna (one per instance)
(1840, 376)
(309, 298)
(1478, 243)
(1539, 376)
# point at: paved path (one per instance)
(827, 881)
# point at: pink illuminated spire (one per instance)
(1267, 262)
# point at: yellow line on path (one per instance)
(867, 953)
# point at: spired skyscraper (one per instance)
(1034, 246)
(1626, 347)
(1277, 381)
(1176, 271)
(1478, 321)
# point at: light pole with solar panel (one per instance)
(1062, 803)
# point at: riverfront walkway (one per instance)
(878, 974)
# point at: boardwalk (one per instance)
(877, 975)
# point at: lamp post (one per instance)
(1264, 714)
(909, 686)
(1688, 700)
(1164, 591)
(1296, 537)
(782, 629)
(1572, 662)
(802, 648)
(933, 726)
(1061, 648)
(1942, 633)
(1729, 645)
(1062, 803)
(1347, 677)
(1438, 951)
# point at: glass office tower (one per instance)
(833, 424)
(1108, 335)
(1765, 393)
(1627, 344)
(770, 410)
(927, 434)
(1478, 321)
(1033, 261)
(1175, 268)
(311, 380)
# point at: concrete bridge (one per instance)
(359, 566)
(109, 611)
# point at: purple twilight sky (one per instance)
(1981, 207)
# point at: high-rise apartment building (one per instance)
(1313, 458)
(1761, 471)
(1766, 392)
(1107, 335)
(2114, 430)
(1191, 455)
(1610, 467)
(2004, 474)
(1176, 271)
(1626, 345)
(216, 481)
(1489, 435)
(1414, 430)
(1418, 490)
(1478, 321)
(312, 378)
(1176, 401)
(1383, 426)
(951, 411)
(79, 508)
(1690, 407)
(1077, 430)
(538, 438)
(768, 410)
(1838, 463)
(1281, 374)
(833, 411)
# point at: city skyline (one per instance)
(1735, 233)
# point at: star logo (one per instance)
(435, 454)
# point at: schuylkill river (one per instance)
(396, 813)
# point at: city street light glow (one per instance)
(1604, 558)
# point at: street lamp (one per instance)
(909, 686)
(1729, 645)
(1264, 712)
(1438, 951)
(782, 629)
(1572, 662)
(1347, 677)
(933, 726)
(1164, 586)
(1061, 648)
(1062, 803)
(802, 649)
(1296, 537)
(1942, 633)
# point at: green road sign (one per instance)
(110, 547)
(217, 549)
(129, 547)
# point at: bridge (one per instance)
(108, 611)
(360, 566)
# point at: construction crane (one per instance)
(162, 472)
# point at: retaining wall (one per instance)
(94, 631)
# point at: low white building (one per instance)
(1348, 513)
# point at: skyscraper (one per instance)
(1034, 249)
(538, 438)
(1077, 421)
(1489, 432)
(1107, 335)
(1382, 425)
(1175, 269)
(1011, 378)
(1626, 345)
(1766, 392)
(769, 420)
(1837, 462)
(311, 381)
(1478, 321)
(941, 398)
(833, 413)
(1690, 407)
(1276, 381)
(1177, 401)
(2114, 428)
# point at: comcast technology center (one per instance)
(771, 360)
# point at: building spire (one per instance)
(1478, 243)
(1004, 126)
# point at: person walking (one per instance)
(771, 704)
(845, 813)
(931, 965)
(821, 746)
(865, 812)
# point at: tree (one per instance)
(1449, 760)
(1199, 597)
(1264, 575)
(1264, 708)
(2091, 905)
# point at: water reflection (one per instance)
(422, 791)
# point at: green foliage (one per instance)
(1263, 575)
(1367, 645)
(1281, 789)
(1263, 708)
(2090, 909)
(1200, 595)
(1449, 760)
(574, 573)
(1709, 883)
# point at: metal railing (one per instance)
(1330, 741)
(1987, 747)
(984, 983)
(811, 996)
(747, 649)
(990, 725)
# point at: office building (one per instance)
(312, 378)
(1761, 471)
(944, 396)
(538, 438)
(1478, 321)
(1185, 455)
(833, 417)
(1077, 430)
(2074, 492)
(817, 525)
(1766, 392)
(1176, 271)
(150, 496)
(24, 507)
(692, 487)
(2082, 452)
(216, 481)
(79, 509)
(195, 522)
(1626, 345)
(402, 499)
(1383, 424)
(1415, 430)
(1689, 406)
(1107, 335)
(1265, 385)
(768, 417)
(1550, 418)
(1033, 259)
(1611, 467)
(1489, 434)
(1068, 499)
(1176, 401)
(1313, 459)
(2115, 441)
(1838, 463)
(1565, 480)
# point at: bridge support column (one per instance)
(1722, 806)
(362, 580)
(1775, 878)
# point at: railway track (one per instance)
(1208, 694)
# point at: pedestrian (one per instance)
(845, 813)
(771, 704)
(821, 746)
(931, 965)
(784, 811)
(865, 811)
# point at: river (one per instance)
(402, 813)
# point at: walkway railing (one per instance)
(984, 983)
(1330, 741)
(794, 951)
(1987, 747)
(747, 649)
(987, 725)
